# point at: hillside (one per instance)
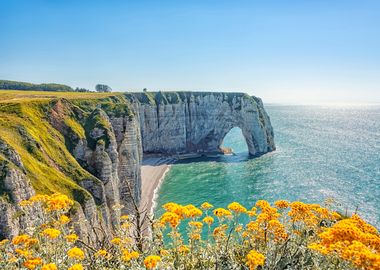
(39, 133)
(26, 121)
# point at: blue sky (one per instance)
(285, 51)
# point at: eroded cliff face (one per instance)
(17, 186)
(188, 122)
(88, 150)
(111, 151)
(92, 150)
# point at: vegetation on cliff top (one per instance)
(44, 127)
(175, 97)
(14, 85)
(280, 236)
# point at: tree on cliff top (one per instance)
(102, 88)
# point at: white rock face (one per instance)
(15, 183)
(198, 122)
(115, 161)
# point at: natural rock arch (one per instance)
(225, 147)
(197, 122)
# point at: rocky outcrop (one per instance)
(191, 122)
(15, 187)
(112, 152)
(101, 144)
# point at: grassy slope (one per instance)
(25, 126)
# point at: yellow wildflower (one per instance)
(116, 241)
(77, 266)
(336, 215)
(208, 220)
(20, 239)
(237, 207)
(196, 224)
(206, 206)
(281, 204)
(134, 254)
(353, 240)
(51, 233)
(31, 242)
(239, 228)
(76, 253)
(50, 266)
(195, 236)
(262, 204)
(219, 232)
(183, 249)
(255, 259)
(263, 217)
(32, 263)
(221, 212)
(252, 226)
(127, 256)
(59, 202)
(300, 211)
(176, 209)
(277, 230)
(172, 218)
(72, 237)
(192, 211)
(22, 252)
(101, 253)
(63, 219)
(3, 242)
(25, 203)
(39, 198)
(151, 261)
(251, 213)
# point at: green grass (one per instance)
(17, 96)
(49, 165)
(26, 126)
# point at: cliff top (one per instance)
(160, 97)
(22, 96)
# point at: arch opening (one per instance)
(234, 142)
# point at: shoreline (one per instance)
(153, 172)
(155, 192)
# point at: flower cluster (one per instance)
(255, 259)
(265, 236)
(351, 239)
(221, 212)
(150, 262)
(237, 207)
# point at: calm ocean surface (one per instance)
(322, 152)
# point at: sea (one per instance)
(324, 153)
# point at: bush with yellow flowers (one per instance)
(285, 235)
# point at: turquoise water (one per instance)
(322, 152)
